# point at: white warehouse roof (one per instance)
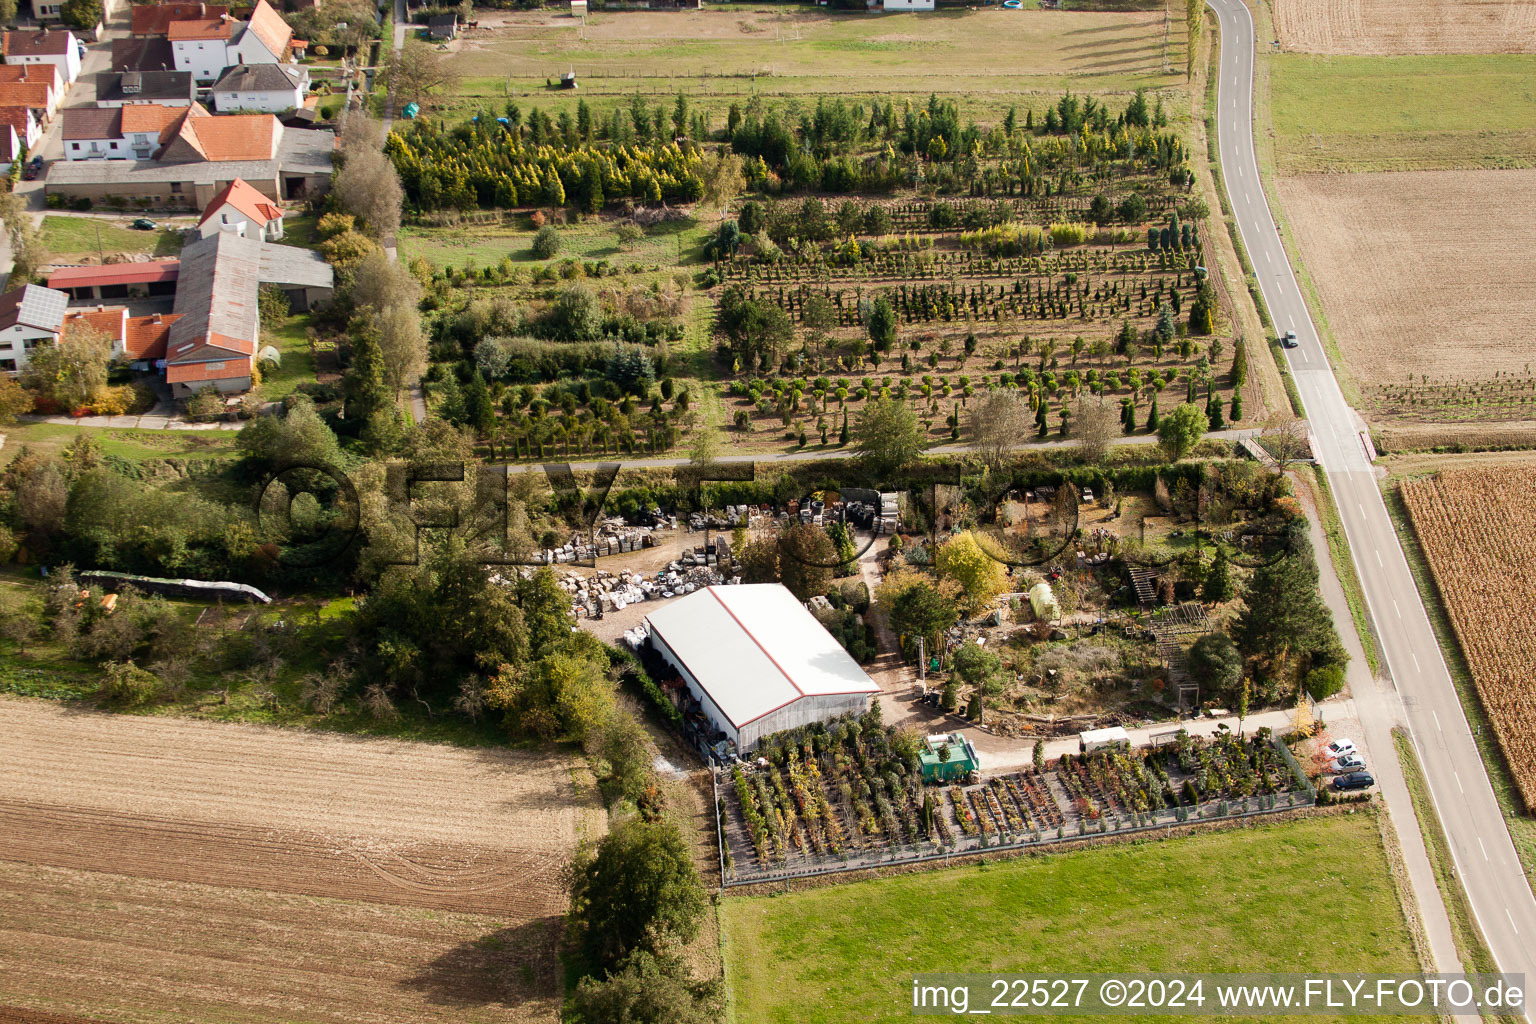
(754, 649)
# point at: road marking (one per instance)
(1458, 780)
(1396, 608)
(1378, 560)
(1417, 669)
(1361, 508)
(1511, 920)
(1247, 198)
(1437, 720)
(1480, 846)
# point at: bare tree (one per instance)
(417, 69)
(1000, 421)
(28, 252)
(368, 187)
(403, 344)
(41, 497)
(1095, 424)
(1285, 438)
(380, 282)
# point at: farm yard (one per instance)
(1434, 315)
(1232, 900)
(1476, 529)
(849, 796)
(1389, 27)
(342, 849)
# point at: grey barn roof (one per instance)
(294, 267)
(216, 292)
(298, 152)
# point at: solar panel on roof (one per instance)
(43, 307)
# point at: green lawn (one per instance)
(133, 445)
(71, 237)
(1403, 113)
(1312, 895)
(298, 363)
(590, 240)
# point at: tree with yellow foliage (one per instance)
(981, 576)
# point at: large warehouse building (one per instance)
(757, 662)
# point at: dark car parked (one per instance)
(1354, 780)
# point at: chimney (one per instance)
(155, 319)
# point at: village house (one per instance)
(206, 46)
(267, 88)
(29, 316)
(243, 210)
(148, 21)
(122, 88)
(198, 156)
(56, 46)
(132, 132)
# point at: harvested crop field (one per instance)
(1416, 280)
(1478, 530)
(246, 863)
(1384, 27)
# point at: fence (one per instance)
(895, 855)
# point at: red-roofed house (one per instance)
(56, 46)
(207, 45)
(46, 100)
(154, 20)
(145, 338)
(213, 341)
(111, 322)
(245, 211)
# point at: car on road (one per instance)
(1354, 780)
(1289, 341)
(1339, 747)
(1346, 764)
(144, 224)
(33, 168)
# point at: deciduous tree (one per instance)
(636, 892)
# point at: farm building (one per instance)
(947, 757)
(757, 662)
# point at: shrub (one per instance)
(335, 224)
(126, 683)
(1325, 681)
(206, 405)
(546, 242)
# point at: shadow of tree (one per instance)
(516, 966)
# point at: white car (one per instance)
(1340, 748)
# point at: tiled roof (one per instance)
(260, 78)
(146, 272)
(201, 28)
(233, 368)
(270, 28)
(25, 94)
(16, 117)
(38, 43)
(151, 86)
(34, 306)
(216, 297)
(231, 136)
(150, 117)
(143, 54)
(146, 335)
(92, 123)
(107, 321)
(43, 74)
(155, 19)
(10, 143)
(245, 198)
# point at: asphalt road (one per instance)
(1485, 857)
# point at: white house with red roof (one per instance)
(243, 209)
(207, 45)
(56, 46)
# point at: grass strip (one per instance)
(1344, 565)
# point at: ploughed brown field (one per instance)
(1426, 273)
(1384, 27)
(154, 869)
(1478, 530)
